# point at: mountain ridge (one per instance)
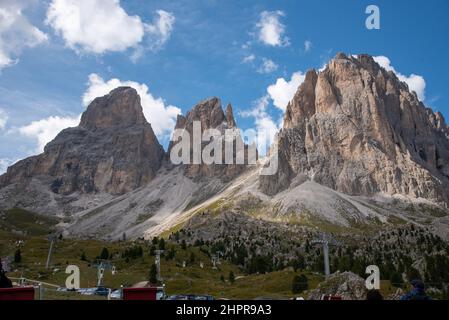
(356, 150)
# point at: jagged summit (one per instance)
(119, 109)
(230, 116)
(356, 128)
(210, 114)
(114, 150)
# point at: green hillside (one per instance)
(133, 260)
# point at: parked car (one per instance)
(101, 291)
(87, 291)
(116, 294)
(160, 294)
(97, 291)
(190, 297)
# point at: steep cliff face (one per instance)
(357, 129)
(113, 150)
(209, 113)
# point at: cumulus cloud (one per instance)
(98, 26)
(267, 128)
(5, 163)
(161, 116)
(249, 58)
(280, 93)
(271, 30)
(161, 28)
(16, 32)
(3, 119)
(157, 33)
(94, 26)
(308, 45)
(267, 66)
(283, 91)
(415, 82)
(47, 129)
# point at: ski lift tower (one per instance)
(52, 238)
(216, 259)
(101, 268)
(158, 264)
(325, 242)
(219, 253)
(100, 275)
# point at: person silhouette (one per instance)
(418, 292)
(374, 295)
(4, 281)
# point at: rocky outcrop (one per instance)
(357, 129)
(210, 115)
(113, 150)
(230, 116)
(346, 285)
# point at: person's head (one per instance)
(374, 295)
(417, 284)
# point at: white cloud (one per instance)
(4, 164)
(157, 33)
(16, 32)
(98, 26)
(249, 58)
(267, 66)
(161, 116)
(94, 26)
(246, 45)
(280, 93)
(3, 119)
(415, 82)
(271, 30)
(161, 29)
(47, 129)
(308, 45)
(283, 91)
(265, 125)
(323, 67)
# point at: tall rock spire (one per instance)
(210, 114)
(230, 116)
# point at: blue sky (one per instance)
(190, 50)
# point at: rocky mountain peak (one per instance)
(120, 108)
(230, 116)
(356, 128)
(210, 114)
(303, 104)
(113, 150)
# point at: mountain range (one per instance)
(357, 152)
